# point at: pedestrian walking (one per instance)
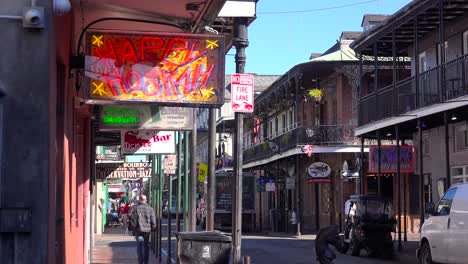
(143, 221)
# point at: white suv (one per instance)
(444, 236)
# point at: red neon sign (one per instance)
(182, 69)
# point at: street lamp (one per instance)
(240, 10)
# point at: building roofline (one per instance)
(401, 16)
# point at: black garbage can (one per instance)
(211, 247)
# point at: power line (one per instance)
(317, 9)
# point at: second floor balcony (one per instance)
(300, 135)
(436, 85)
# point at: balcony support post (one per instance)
(416, 62)
(211, 170)
(376, 83)
(379, 165)
(397, 135)
(395, 92)
(421, 173)
(360, 188)
(442, 88)
(360, 115)
(447, 150)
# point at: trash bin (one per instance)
(211, 247)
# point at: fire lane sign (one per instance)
(242, 93)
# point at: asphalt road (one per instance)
(291, 250)
(262, 249)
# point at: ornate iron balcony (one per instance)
(302, 135)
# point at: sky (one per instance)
(277, 42)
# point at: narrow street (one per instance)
(262, 249)
(116, 247)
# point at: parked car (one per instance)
(444, 235)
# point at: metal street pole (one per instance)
(160, 204)
(193, 176)
(179, 187)
(169, 220)
(186, 181)
(211, 170)
(240, 42)
(179, 179)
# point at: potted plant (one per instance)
(316, 93)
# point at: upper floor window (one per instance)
(285, 124)
(276, 126)
(465, 42)
(459, 174)
(291, 116)
(461, 138)
(425, 139)
(439, 59)
(422, 62)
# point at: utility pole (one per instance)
(240, 42)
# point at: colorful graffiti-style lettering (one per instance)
(181, 69)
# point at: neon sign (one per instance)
(144, 116)
(389, 160)
(171, 69)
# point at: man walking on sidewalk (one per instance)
(143, 221)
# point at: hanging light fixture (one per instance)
(453, 118)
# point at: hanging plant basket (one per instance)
(262, 115)
(316, 93)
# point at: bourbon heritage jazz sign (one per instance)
(119, 170)
(174, 69)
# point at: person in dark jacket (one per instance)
(143, 221)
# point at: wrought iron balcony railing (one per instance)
(388, 102)
(302, 135)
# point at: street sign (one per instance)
(242, 93)
(170, 164)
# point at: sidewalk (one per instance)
(116, 247)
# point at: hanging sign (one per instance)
(170, 164)
(168, 68)
(114, 188)
(307, 149)
(319, 172)
(122, 170)
(202, 172)
(147, 142)
(118, 117)
(389, 160)
(242, 93)
(107, 153)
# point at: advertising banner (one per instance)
(170, 69)
(389, 159)
(147, 142)
(152, 117)
(122, 170)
